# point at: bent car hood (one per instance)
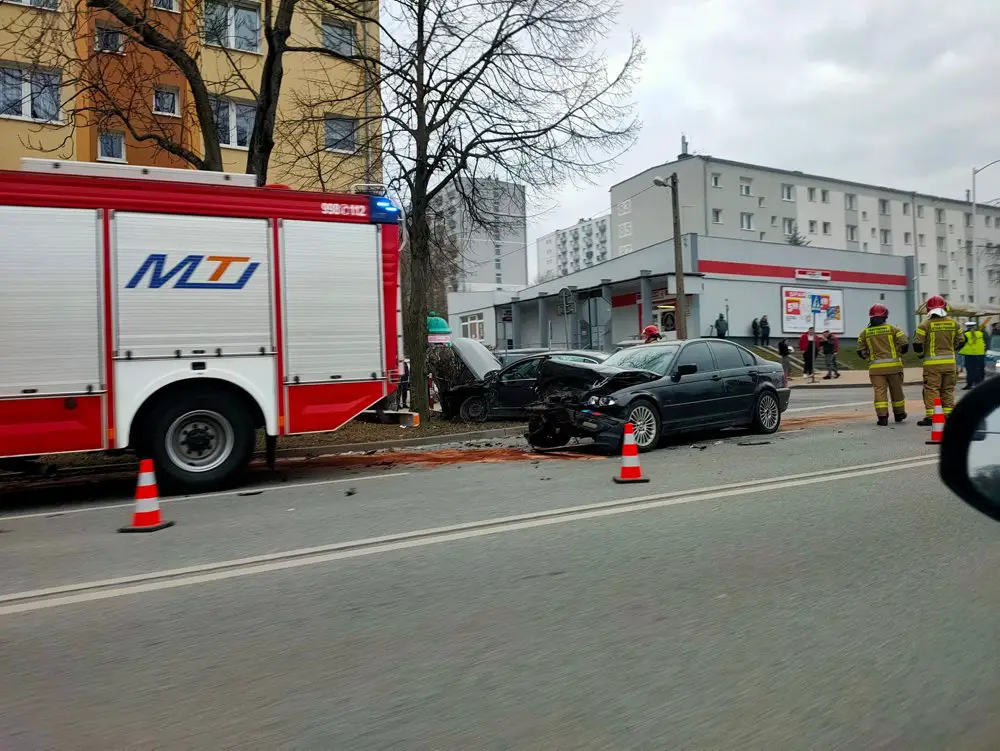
(479, 360)
(590, 376)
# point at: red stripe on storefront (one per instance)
(623, 301)
(734, 268)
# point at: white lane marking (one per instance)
(828, 406)
(299, 552)
(112, 588)
(56, 511)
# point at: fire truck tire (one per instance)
(200, 441)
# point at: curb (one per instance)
(342, 448)
(821, 386)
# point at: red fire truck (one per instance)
(176, 313)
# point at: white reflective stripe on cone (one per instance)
(630, 461)
(145, 505)
(147, 478)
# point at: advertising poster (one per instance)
(798, 303)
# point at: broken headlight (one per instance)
(601, 401)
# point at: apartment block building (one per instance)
(567, 250)
(76, 84)
(493, 251)
(724, 198)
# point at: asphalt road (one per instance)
(816, 589)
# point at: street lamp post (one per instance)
(975, 253)
(680, 306)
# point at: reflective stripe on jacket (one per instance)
(880, 345)
(942, 338)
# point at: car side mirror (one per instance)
(686, 369)
(970, 449)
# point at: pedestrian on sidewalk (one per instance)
(974, 352)
(830, 346)
(721, 326)
(786, 358)
(807, 346)
(755, 330)
(881, 344)
(765, 331)
(937, 341)
(404, 385)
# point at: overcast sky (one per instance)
(902, 93)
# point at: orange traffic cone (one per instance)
(937, 424)
(147, 502)
(631, 471)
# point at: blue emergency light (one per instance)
(383, 211)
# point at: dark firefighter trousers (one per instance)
(939, 384)
(888, 386)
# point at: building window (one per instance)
(993, 301)
(923, 269)
(45, 4)
(812, 226)
(788, 226)
(170, 5)
(166, 101)
(886, 237)
(109, 39)
(338, 37)
(908, 238)
(760, 202)
(970, 274)
(339, 134)
(850, 201)
(29, 94)
(906, 209)
(746, 186)
(625, 229)
(716, 216)
(499, 279)
(989, 220)
(954, 284)
(968, 219)
(111, 146)
(852, 232)
(746, 220)
(826, 228)
(234, 121)
(939, 216)
(787, 192)
(873, 232)
(774, 221)
(625, 207)
(972, 298)
(951, 229)
(864, 216)
(234, 26)
(883, 206)
(864, 246)
(824, 196)
(473, 326)
(812, 194)
(497, 265)
(942, 272)
(920, 211)
(922, 240)
(716, 179)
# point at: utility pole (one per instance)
(680, 306)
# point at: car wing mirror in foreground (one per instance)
(683, 370)
(970, 450)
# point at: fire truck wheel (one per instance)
(200, 441)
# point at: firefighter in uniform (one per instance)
(882, 344)
(937, 340)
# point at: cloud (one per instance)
(894, 92)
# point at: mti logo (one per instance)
(155, 264)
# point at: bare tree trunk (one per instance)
(415, 313)
(262, 140)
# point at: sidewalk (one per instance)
(853, 379)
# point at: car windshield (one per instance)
(655, 358)
(995, 342)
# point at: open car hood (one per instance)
(479, 360)
(589, 376)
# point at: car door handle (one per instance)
(716, 377)
(751, 372)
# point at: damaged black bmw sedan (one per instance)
(661, 388)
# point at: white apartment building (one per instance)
(567, 250)
(493, 256)
(723, 198)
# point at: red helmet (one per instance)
(650, 331)
(878, 310)
(936, 302)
